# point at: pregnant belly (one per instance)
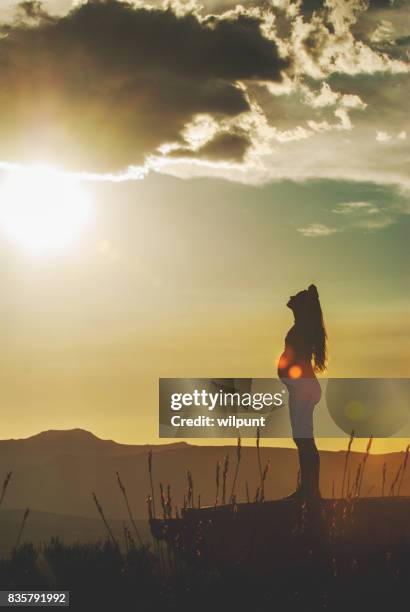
(292, 367)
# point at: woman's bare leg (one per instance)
(309, 461)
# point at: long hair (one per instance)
(314, 328)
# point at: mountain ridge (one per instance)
(82, 433)
(50, 476)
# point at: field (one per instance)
(100, 576)
(350, 551)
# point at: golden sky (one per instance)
(183, 278)
(195, 192)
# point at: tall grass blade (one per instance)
(4, 488)
(217, 479)
(347, 455)
(365, 458)
(20, 533)
(238, 461)
(384, 470)
(247, 492)
(101, 513)
(124, 493)
(224, 477)
(405, 461)
(258, 452)
(396, 479)
(151, 480)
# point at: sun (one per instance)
(42, 209)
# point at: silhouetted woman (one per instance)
(304, 354)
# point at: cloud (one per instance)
(253, 93)
(365, 215)
(345, 208)
(383, 136)
(327, 97)
(357, 215)
(326, 44)
(108, 84)
(384, 32)
(374, 224)
(325, 128)
(317, 230)
(230, 147)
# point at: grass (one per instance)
(102, 577)
(127, 575)
(350, 484)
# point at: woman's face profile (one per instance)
(295, 301)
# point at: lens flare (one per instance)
(42, 209)
(295, 371)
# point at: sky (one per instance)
(231, 155)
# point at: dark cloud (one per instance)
(388, 4)
(104, 86)
(230, 147)
(31, 10)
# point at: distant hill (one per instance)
(56, 471)
(45, 445)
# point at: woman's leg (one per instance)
(301, 410)
(309, 461)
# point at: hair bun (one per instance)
(313, 291)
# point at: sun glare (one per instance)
(42, 209)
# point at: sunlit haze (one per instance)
(271, 141)
(42, 210)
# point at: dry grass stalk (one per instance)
(238, 461)
(365, 458)
(347, 455)
(247, 491)
(264, 474)
(124, 493)
(101, 512)
(384, 470)
(356, 483)
(258, 452)
(5, 485)
(162, 498)
(396, 479)
(126, 541)
(405, 461)
(217, 479)
(148, 501)
(130, 538)
(151, 480)
(20, 533)
(168, 505)
(224, 477)
(190, 493)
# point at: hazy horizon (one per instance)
(379, 445)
